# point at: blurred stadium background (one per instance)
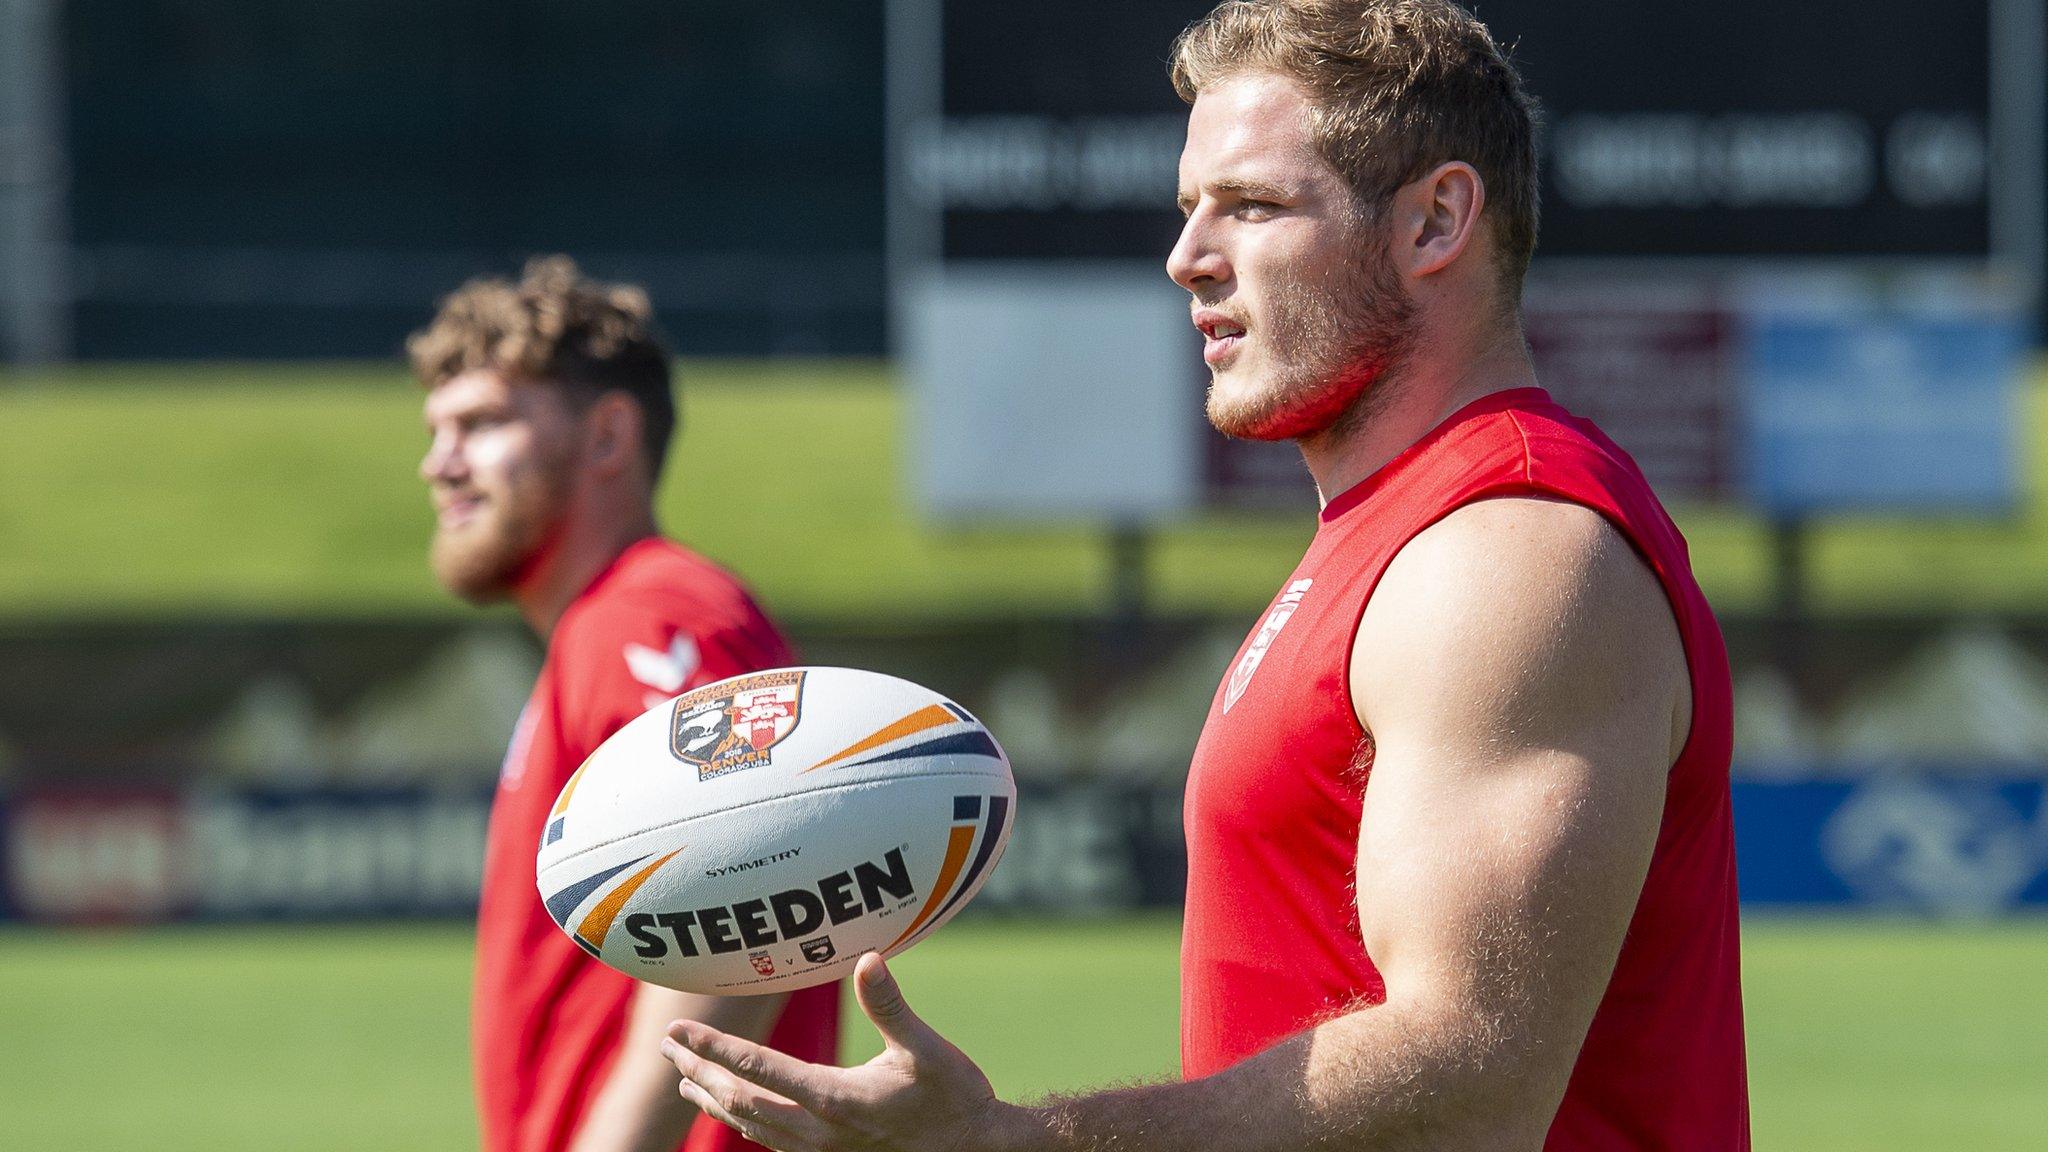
(1792, 259)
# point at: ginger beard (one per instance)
(1322, 349)
(518, 500)
(483, 559)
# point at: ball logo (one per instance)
(762, 962)
(791, 914)
(731, 726)
(881, 886)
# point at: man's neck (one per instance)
(566, 567)
(1420, 394)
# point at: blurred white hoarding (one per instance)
(1053, 392)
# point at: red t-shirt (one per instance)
(1272, 942)
(546, 1019)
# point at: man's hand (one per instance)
(920, 1095)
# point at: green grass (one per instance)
(1864, 1035)
(166, 490)
(161, 490)
(249, 1039)
(1878, 1035)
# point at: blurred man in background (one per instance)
(1461, 865)
(550, 415)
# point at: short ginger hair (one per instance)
(559, 328)
(1396, 87)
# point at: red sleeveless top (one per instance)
(1272, 942)
(547, 1021)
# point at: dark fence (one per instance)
(263, 180)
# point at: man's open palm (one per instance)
(921, 1094)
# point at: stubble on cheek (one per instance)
(1323, 346)
(483, 559)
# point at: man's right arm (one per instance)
(1523, 680)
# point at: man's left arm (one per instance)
(1524, 685)
(638, 1109)
(635, 657)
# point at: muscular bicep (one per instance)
(1523, 683)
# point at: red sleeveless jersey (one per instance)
(546, 1019)
(1272, 943)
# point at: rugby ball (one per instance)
(759, 834)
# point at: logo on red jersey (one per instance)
(731, 726)
(513, 770)
(1241, 676)
(665, 672)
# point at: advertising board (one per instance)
(1841, 128)
(1896, 400)
(1923, 841)
(132, 855)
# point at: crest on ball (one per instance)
(732, 725)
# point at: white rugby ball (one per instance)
(758, 834)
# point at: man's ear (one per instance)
(1438, 214)
(612, 433)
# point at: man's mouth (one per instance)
(454, 511)
(1220, 337)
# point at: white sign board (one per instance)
(1048, 392)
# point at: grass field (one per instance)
(1864, 1036)
(289, 488)
(169, 490)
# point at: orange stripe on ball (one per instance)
(925, 718)
(957, 844)
(569, 789)
(599, 921)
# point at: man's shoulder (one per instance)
(1564, 450)
(1519, 601)
(661, 621)
(1526, 552)
(665, 567)
(663, 602)
(663, 585)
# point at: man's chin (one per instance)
(477, 578)
(1238, 427)
(1267, 418)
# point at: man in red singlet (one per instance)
(549, 414)
(1461, 868)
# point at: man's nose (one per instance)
(442, 460)
(1196, 258)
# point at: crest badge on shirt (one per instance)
(733, 725)
(1283, 611)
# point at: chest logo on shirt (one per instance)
(732, 726)
(663, 672)
(1241, 676)
(513, 769)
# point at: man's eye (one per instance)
(1257, 207)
